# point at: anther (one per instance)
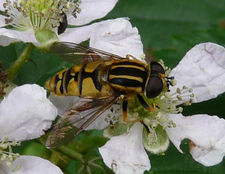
(178, 91)
(190, 90)
(179, 97)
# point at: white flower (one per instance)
(30, 165)
(38, 21)
(125, 154)
(117, 37)
(25, 113)
(202, 70)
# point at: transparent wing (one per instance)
(75, 120)
(76, 53)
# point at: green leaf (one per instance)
(38, 69)
(8, 55)
(157, 21)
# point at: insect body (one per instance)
(100, 80)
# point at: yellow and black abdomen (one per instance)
(65, 82)
(127, 76)
(79, 80)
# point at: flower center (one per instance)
(155, 137)
(166, 102)
(6, 153)
(38, 14)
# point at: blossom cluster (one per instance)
(195, 74)
(27, 111)
(38, 21)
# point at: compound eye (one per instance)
(157, 67)
(154, 87)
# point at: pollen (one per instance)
(143, 56)
(182, 96)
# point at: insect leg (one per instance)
(124, 109)
(146, 127)
(128, 56)
(145, 105)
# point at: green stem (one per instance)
(71, 153)
(16, 66)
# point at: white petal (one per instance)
(207, 134)
(31, 165)
(8, 36)
(117, 36)
(91, 10)
(5, 40)
(63, 103)
(77, 35)
(2, 20)
(25, 113)
(1, 5)
(203, 69)
(125, 154)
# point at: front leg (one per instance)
(145, 105)
(124, 111)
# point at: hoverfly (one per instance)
(100, 80)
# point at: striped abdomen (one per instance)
(79, 80)
(127, 76)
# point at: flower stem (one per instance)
(16, 66)
(69, 152)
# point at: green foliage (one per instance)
(168, 29)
